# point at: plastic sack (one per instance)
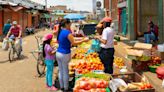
(160, 72)
(90, 51)
(116, 83)
(95, 45)
(5, 44)
(18, 44)
(160, 47)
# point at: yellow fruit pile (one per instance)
(79, 53)
(118, 62)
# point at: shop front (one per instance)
(122, 9)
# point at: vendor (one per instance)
(106, 53)
(99, 29)
(78, 32)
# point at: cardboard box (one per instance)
(143, 46)
(134, 52)
(161, 55)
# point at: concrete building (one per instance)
(133, 16)
(26, 13)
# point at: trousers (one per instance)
(49, 72)
(63, 60)
(107, 57)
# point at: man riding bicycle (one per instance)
(15, 33)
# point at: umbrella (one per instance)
(74, 17)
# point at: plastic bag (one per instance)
(160, 72)
(5, 44)
(95, 45)
(18, 44)
(116, 83)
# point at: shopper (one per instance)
(107, 46)
(6, 27)
(63, 54)
(48, 53)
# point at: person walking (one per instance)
(106, 53)
(56, 26)
(48, 53)
(6, 27)
(63, 55)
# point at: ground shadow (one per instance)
(128, 42)
(22, 57)
(4, 61)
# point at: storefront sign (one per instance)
(98, 4)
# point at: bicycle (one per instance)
(41, 67)
(13, 50)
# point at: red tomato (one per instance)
(149, 86)
(142, 87)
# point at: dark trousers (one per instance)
(107, 57)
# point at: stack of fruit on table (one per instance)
(155, 61)
(136, 86)
(89, 63)
(84, 66)
(86, 84)
(118, 62)
(85, 44)
(154, 64)
(79, 53)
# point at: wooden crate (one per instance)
(140, 66)
(132, 77)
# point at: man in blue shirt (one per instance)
(6, 27)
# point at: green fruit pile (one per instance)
(144, 58)
(105, 77)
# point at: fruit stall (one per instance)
(142, 57)
(86, 69)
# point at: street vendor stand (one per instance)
(86, 72)
(140, 55)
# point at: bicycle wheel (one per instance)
(41, 65)
(11, 54)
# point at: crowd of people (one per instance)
(65, 40)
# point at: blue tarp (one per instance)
(74, 16)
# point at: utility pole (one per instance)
(46, 4)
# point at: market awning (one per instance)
(74, 16)
(16, 8)
(45, 15)
(12, 4)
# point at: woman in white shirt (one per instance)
(107, 46)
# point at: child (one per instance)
(48, 53)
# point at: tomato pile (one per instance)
(85, 84)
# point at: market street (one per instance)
(20, 76)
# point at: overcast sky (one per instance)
(73, 4)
